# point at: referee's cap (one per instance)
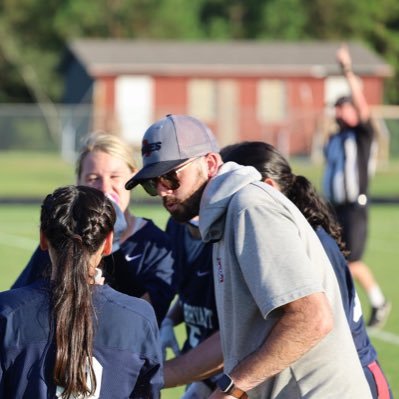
(169, 142)
(343, 100)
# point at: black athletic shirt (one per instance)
(347, 164)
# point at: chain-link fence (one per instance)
(43, 128)
(61, 128)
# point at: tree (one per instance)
(40, 29)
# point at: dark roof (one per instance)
(249, 58)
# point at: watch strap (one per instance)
(227, 386)
(237, 393)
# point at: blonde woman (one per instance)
(141, 263)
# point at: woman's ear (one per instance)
(43, 241)
(107, 249)
(272, 183)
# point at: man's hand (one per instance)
(358, 98)
(168, 337)
(344, 58)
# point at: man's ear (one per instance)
(43, 241)
(108, 244)
(213, 160)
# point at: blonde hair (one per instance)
(108, 143)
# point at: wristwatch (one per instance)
(226, 385)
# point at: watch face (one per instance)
(225, 383)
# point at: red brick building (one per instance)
(244, 90)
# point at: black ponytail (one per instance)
(75, 222)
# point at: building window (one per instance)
(271, 104)
(202, 99)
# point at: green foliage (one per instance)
(175, 19)
(38, 30)
(287, 25)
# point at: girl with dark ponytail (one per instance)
(276, 171)
(75, 337)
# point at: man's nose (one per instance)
(162, 190)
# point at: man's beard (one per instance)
(188, 208)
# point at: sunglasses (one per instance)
(169, 180)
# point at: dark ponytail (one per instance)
(271, 164)
(75, 222)
(316, 210)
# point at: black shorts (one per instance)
(353, 220)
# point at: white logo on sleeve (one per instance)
(98, 372)
(130, 258)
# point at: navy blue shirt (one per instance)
(126, 353)
(194, 276)
(353, 311)
(143, 263)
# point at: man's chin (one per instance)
(183, 211)
(181, 217)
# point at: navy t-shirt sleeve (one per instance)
(150, 380)
(341, 270)
(158, 280)
(144, 263)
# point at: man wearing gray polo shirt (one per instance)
(283, 329)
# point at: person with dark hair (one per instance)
(141, 263)
(346, 181)
(282, 325)
(72, 336)
(200, 360)
(277, 172)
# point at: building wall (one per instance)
(373, 89)
(170, 96)
(104, 103)
(240, 117)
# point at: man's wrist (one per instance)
(227, 386)
(346, 68)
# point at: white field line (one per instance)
(15, 241)
(385, 336)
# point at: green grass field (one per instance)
(34, 175)
(19, 234)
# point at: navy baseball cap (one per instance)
(169, 142)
